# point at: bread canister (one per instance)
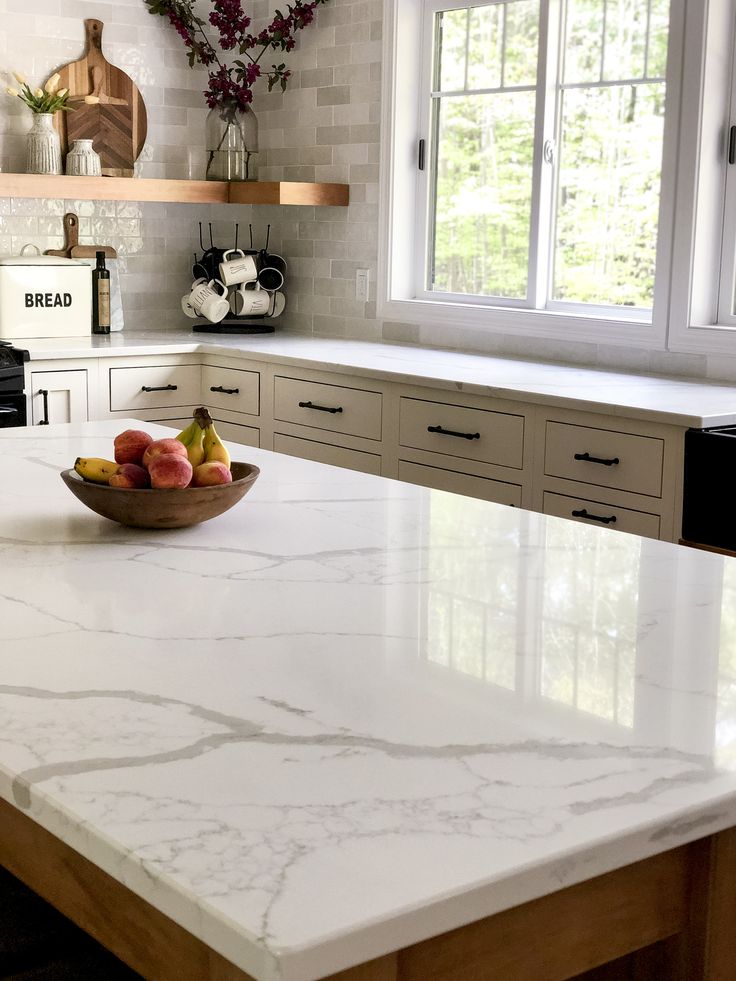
(44, 296)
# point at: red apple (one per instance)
(159, 447)
(130, 475)
(131, 445)
(170, 470)
(208, 474)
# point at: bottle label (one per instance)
(103, 302)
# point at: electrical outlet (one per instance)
(362, 284)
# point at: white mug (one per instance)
(279, 304)
(207, 302)
(250, 303)
(242, 269)
(187, 307)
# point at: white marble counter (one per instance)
(352, 713)
(678, 401)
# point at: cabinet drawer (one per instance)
(609, 459)
(497, 491)
(230, 388)
(171, 384)
(473, 434)
(333, 407)
(636, 522)
(246, 435)
(336, 456)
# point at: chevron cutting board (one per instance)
(117, 123)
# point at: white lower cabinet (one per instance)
(620, 473)
(469, 485)
(337, 456)
(58, 396)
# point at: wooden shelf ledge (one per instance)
(179, 192)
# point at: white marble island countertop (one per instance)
(351, 714)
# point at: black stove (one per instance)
(12, 397)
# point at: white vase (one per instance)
(82, 160)
(43, 146)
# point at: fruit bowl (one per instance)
(163, 508)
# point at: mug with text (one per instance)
(246, 302)
(206, 300)
(241, 268)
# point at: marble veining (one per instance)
(678, 401)
(353, 713)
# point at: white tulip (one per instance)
(62, 92)
(12, 91)
(52, 83)
(20, 78)
(91, 100)
(39, 93)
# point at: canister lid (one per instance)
(40, 260)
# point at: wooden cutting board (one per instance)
(72, 249)
(118, 123)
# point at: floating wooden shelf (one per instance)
(180, 192)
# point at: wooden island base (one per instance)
(666, 918)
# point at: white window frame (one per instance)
(699, 321)
(397, 294)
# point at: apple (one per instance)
(159, 447)
(208, 474)
(170, 470)
(130, 475)
(131, 445)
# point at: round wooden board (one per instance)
(118, 123)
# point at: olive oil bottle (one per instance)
(100, 297)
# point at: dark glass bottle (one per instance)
(100, 297)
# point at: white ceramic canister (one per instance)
(82, 160)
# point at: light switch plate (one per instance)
(362, 284)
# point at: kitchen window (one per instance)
(544, 128)
(530, 181)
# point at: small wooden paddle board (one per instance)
(117, 124)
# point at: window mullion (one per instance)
(543, 181)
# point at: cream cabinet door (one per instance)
(58, 396)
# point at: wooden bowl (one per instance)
(163, 508)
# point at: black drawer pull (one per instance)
(161, 388)
(582, 513)
(44, 393)
(451, 432)
(225, 391)
(596, 459)
(319, 408)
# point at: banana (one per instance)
(186, 435)
(213, 447)
(192, 437)
(195, 448)
(94, 469)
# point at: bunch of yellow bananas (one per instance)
(201, 440)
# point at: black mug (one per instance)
(272, 272)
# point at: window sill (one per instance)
(562, 326)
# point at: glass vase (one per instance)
(43, 146)
(232, 143)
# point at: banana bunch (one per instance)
(95, 469)
(202, 442)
